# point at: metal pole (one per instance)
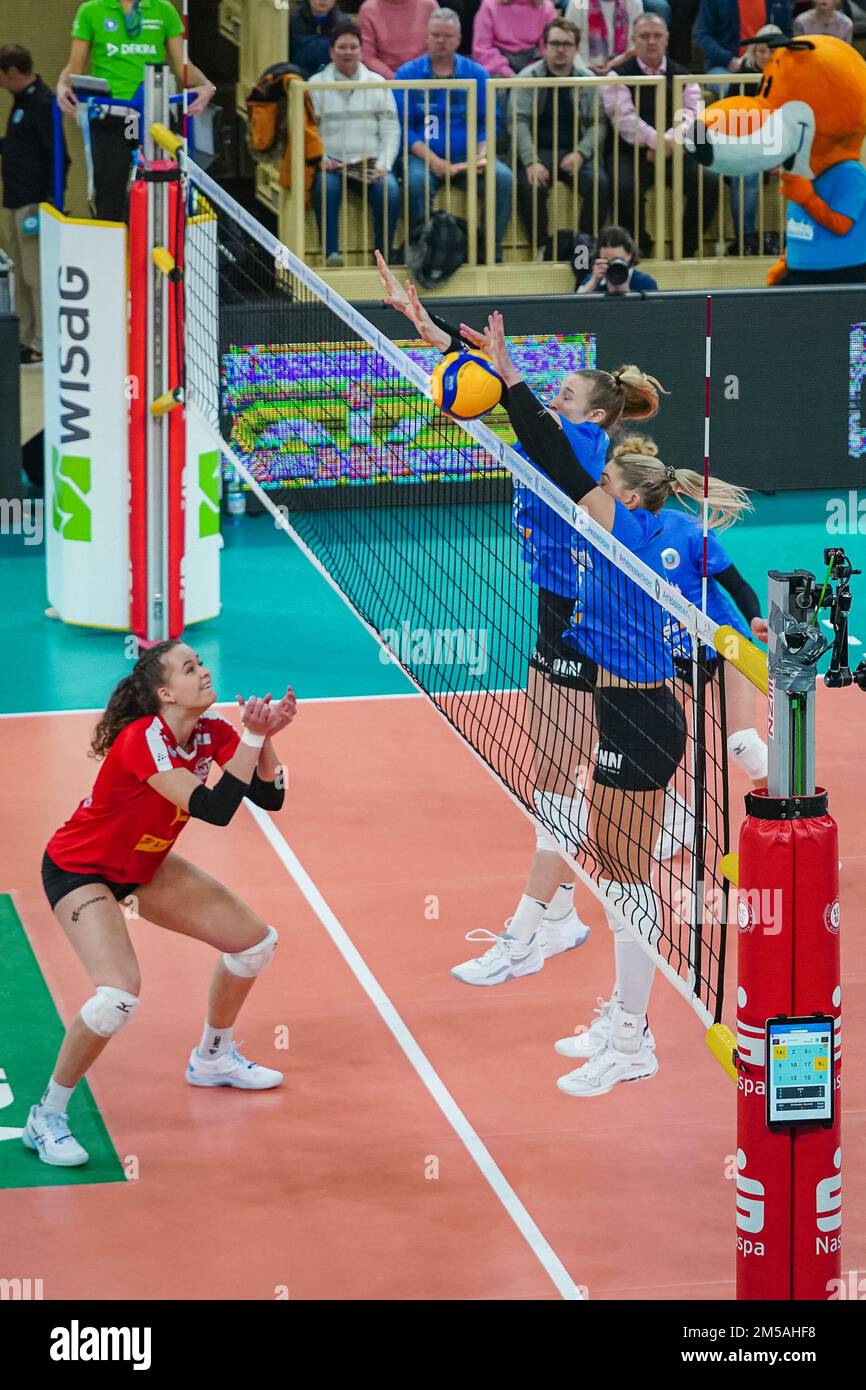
(793, 651)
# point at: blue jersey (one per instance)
(616, 623)
(553, 549)
(808, 245)
(682, 558)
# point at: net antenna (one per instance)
(425, 568)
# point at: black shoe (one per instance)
(29, 357)
(772, 244)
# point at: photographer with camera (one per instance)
(613, 270)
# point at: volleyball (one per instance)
(466, 385)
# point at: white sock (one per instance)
(56, 1097)
(527, 918)
(748, 750)
(635, 970)
(561, 903)
(635, 973)
(214, 1042)
(627, 1029)
(566, 817)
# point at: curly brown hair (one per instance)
(134, 696)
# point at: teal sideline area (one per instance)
(280, 617)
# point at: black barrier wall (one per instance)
(788, 406)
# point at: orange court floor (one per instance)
(419, 1148)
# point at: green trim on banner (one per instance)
(31, 1032)
(71, 514)
(209, 484)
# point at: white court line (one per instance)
(305, 700)
(225, 704)
(477, 1150)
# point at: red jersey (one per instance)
(124, 829)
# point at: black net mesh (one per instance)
(621, 759)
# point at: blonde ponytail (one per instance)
(726, 502)
(624, 394)
(655, 481)
(640, 393)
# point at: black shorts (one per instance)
(58, 882)
(553, 657)
(641, 737)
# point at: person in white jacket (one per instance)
(361, 135)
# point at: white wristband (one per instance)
(254, 740)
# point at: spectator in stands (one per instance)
(435, 134)
(393, 32)
(28, 180)
(117, 39)
(825, 19)
(613, 270)
(634, 124)
(606, 28)
(359, 131)
(759, 53)
(535, 142)
(508, 34)
(723, 26)
(311, 33)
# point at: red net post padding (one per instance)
(789, 1234)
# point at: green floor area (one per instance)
(31, 1032)
(281, 620)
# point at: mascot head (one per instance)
(809, 113)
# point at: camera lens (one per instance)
(617, 271)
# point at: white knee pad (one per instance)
(109, 1010)
(639, 906)
(546, 842)
(253, 960)
(566, 815)
(748, 750)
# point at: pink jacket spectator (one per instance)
(513, 25)
(393, 32)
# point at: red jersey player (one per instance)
(158, 738)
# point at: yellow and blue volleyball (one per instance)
(465, 384)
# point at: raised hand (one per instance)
(405, 300)
(394, 294)
(283, 712)
(473, 336)
(497, 351)
(256, 713)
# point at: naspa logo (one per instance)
(670, 558)
(828, 1210)
(77, 1343)
(110, 24)
(750, 1210)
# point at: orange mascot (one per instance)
(809, 116)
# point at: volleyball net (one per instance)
(422, 525)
